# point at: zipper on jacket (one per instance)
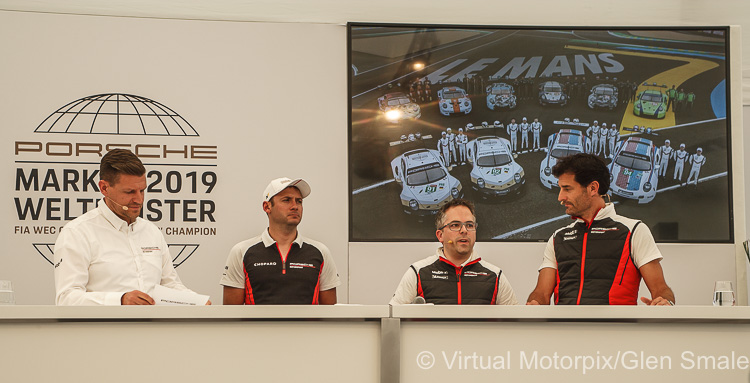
(583, 259)
(458, 274)
(284, 258)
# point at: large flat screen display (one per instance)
(484, 113)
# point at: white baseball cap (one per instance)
(279, 184)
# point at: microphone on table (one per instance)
(419, 300)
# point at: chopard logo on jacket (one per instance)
(256, 264)
(150, 249)
(474, 273)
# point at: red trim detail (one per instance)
(583, 266)
(624, 290)
(249, 298)
(494, 294)
(317, 285)
(420, 292)
(557, 287)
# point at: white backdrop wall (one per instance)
(248, 96)
(233, 81)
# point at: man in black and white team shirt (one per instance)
(601, 257)
(455, 274)
(280, 266)
(110, 255)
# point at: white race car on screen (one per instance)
(551, 92)
(398, 106)
(494, 171)
(633, 172)
(500, 95)
(566, 142)
(453, 100)
(603, 96)
(425, 182)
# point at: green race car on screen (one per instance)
(651, 103)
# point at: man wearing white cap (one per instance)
(696, 161)
(280, 266)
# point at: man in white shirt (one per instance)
(455, 274)
(109, 255)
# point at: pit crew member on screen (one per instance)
(451, 145)
(536, 127)
(603, 132)
(696, 161)
(455, 274)
(665, 153)
(593, 133)
(680, 158)
(443, 147)
(525, 128)
(110, 255)
(461, 141)
(280, 266)
(613, 136)
(512, 130)
(600, 258)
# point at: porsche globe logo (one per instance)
(116, 113)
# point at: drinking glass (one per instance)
(723, 294)
(6, 293)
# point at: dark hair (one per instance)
(120, 161)
(452, 203)
(586, 168)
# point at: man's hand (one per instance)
(136, 297)
(532, 302)
(658, 301)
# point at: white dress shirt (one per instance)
(99, 257)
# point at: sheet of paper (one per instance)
(167, 296)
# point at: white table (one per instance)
(574, 344)
(191, 344)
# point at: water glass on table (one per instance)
(723, 294)
(6, 293)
